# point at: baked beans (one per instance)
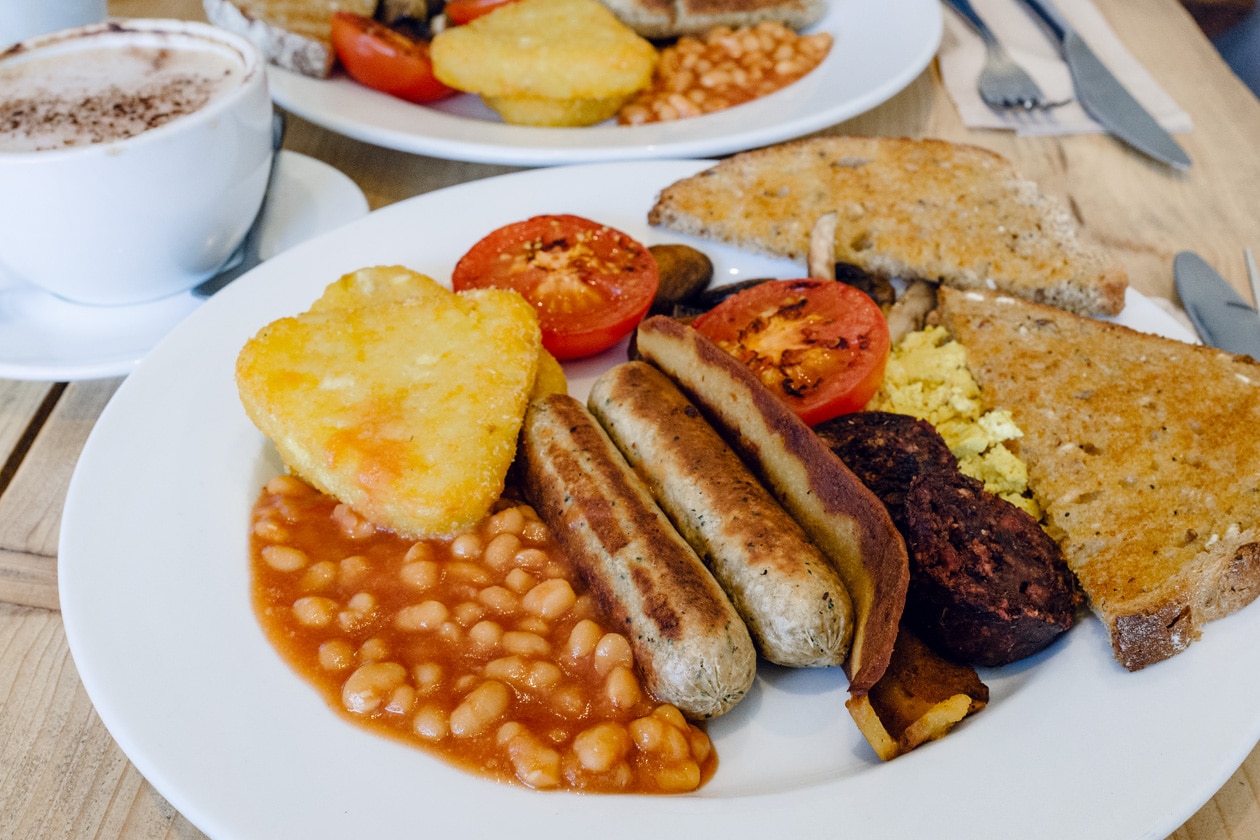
(484, 648)
(725, 67)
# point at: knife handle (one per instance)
(1051, 16)
(964, 8)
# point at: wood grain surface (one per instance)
(62, 775)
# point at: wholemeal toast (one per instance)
(1144, 452)
(916, 209)
(293, 34)
(671, 18)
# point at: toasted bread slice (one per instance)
(916, 209)
(671, 18)
(293, 34)
(1145, 453)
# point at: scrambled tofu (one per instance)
(546, 62)
(927, 377)
(398, 397)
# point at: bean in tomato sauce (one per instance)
(484, 649)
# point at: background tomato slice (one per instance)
(591, 284)
(382, 59)
(460, 12)
(821, 345)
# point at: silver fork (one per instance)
(1003, 84)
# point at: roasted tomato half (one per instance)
(821, 345)
(382, 59)
(590, 283)
(461, 11)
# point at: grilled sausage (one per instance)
(843, 518)
(689, 643)
(789, 595)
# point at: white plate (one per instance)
(154, 583)
(43, 337)
(879, 47)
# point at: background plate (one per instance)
(154, 583)
(880, 47)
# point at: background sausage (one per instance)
(792, 600)
(690, 645)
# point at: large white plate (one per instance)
(880, 46)
(154, 588)
(46, 338)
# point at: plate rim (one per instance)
(711, 135)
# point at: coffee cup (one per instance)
(133, 156)
(22, 19)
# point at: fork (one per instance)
(1003, 84)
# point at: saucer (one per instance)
(46, 338)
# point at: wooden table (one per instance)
(62, 775)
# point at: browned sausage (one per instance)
(837, 511)
(791, 598)
(690, 645)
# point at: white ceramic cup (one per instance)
(22, 19)
(129, 220)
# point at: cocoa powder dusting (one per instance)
(107, 115)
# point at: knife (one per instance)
(1219, 314)
(1104, 98)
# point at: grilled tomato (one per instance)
(821, 345)
(381, 58)
(591, 284)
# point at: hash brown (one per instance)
(546, 62)
(407, 410)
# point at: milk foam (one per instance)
(105, 89)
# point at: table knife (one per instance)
(1104, 98)
(1219, 314)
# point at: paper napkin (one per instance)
(1034, 48)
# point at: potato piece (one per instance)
(378, 285)
(407, 410)
(556, 113)
(918, 699)
(546, 62)
(550, 378)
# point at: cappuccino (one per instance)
(107, 88)
(148, 142)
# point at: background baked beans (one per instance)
(725, 67)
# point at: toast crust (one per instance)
(292, 34)
(672, 18)
(916, 209)
(1145, 454)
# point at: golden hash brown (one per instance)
(377, 285)
(382, 284)
(407, 410)
(532, 58)
(550, 378)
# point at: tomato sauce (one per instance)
(484, 649)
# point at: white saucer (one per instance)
(45, 338)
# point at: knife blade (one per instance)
(1219, 314)
(1104, 98)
